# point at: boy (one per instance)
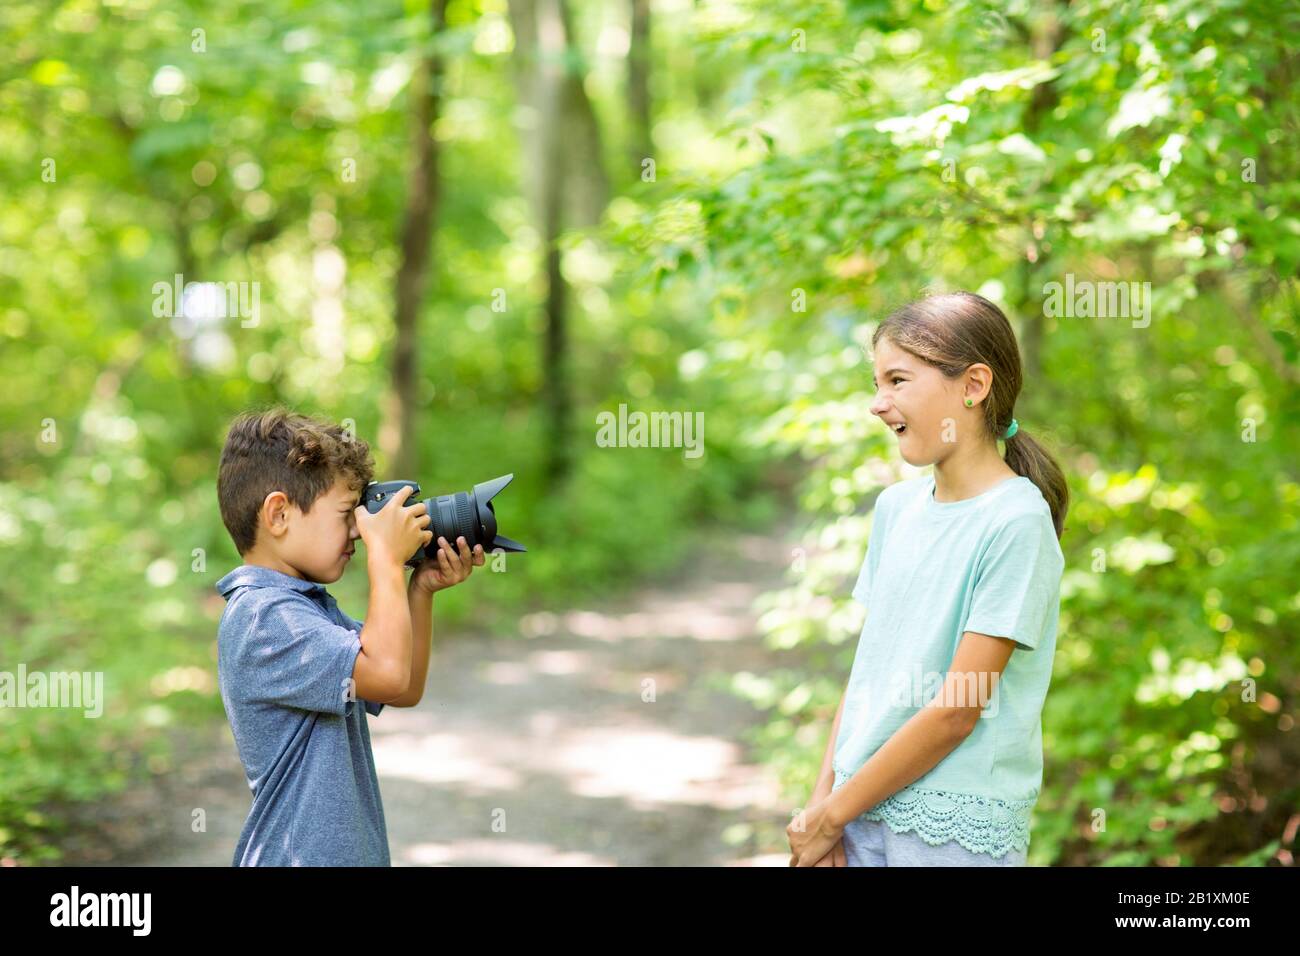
(294, 670)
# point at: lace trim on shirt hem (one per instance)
(980, 824)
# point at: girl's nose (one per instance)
(879, 406)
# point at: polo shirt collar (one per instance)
(256, 576)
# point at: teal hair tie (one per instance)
(1012, 429)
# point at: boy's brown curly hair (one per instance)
(280, 450)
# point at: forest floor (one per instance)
(599, 735)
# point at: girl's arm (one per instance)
(930, 734)
(826, 778)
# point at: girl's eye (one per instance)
(896, 380)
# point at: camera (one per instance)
(465, 513)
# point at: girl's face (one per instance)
(918, 397)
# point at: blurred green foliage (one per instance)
(842, 156)
(232, 165)
(887, 149)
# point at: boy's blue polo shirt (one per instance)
(285, 654)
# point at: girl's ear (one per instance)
(978, 384)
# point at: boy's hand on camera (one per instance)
(395, 531)
(448, 568)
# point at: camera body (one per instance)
(465, 513)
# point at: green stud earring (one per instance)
(970, 402)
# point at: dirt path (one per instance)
(602, 737)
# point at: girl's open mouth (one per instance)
(899, 429)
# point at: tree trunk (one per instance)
(586, 183)
(567, 185)
(553, 37)
(1045, 39)
(638, 85)
(399, 438)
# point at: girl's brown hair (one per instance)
(954, 331)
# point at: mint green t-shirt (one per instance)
(933, 571)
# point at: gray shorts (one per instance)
(872, 843)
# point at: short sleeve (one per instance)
(1018, 582)
(862, 589)
(866, 574)
(297, 657)
(373, 707)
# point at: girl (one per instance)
(935, 757)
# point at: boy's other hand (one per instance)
(449, 568)
(395, 531)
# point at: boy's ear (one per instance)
(274, 514)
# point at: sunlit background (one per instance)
(545, 210)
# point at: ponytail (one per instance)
(1027, 457)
